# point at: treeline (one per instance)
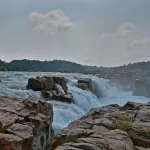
(46, 66)
(139, 66)
(3, 65)
(66, 66)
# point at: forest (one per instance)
(66, 66)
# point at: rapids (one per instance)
(13, 84)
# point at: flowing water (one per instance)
(14, 85)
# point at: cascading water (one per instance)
(14, 85)
(100, 87)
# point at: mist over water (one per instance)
(14, 85)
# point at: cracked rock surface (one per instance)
(108, 128)
(25, 124)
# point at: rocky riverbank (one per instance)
(108, 128)
(25, 124)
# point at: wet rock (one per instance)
(63, 98)
(43, 83)
(85, 84)
(62, 82)
(59, 90)
(47, 94)
(108, 127)
(51, 88)
(141, 87)
(23, 123)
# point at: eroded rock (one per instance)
(108, 127)
(23, 124)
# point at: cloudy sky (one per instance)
(93, 32)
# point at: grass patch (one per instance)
(126, 125)
(123, 125)
(3, 128)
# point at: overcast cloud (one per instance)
(92, 32)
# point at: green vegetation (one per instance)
(125, 125)
(139, 66)
(3, 128)
(3, 66)
(51, 66)
(71, 138)
(66, 66)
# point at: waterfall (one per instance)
(14, 85)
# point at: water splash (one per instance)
(14, 85)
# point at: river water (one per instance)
(13, 84)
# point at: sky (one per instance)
(91, 32)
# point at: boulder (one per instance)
(85, 84)
(53, 95)
(141, 87)
(43, 83)
(62, 82)
(25, 124)
(63, 98)
(51, 88)
(47, 83)
(108, 127)
(59, 90)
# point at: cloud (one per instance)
(52, 21)
(140, 43)
(123, 30)
(126, 29)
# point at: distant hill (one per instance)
(67, 66)
(139, 66)
(46, 66)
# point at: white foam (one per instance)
(14, 85)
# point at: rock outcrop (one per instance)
(43, 83)
(51, 88)
(108, 128)
(85, 84)
(141, 87)
(25, 124)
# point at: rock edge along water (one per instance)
(25, 124)
(51, 88)
(108, 128)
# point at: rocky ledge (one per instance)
(108, 128)
(25, 124)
